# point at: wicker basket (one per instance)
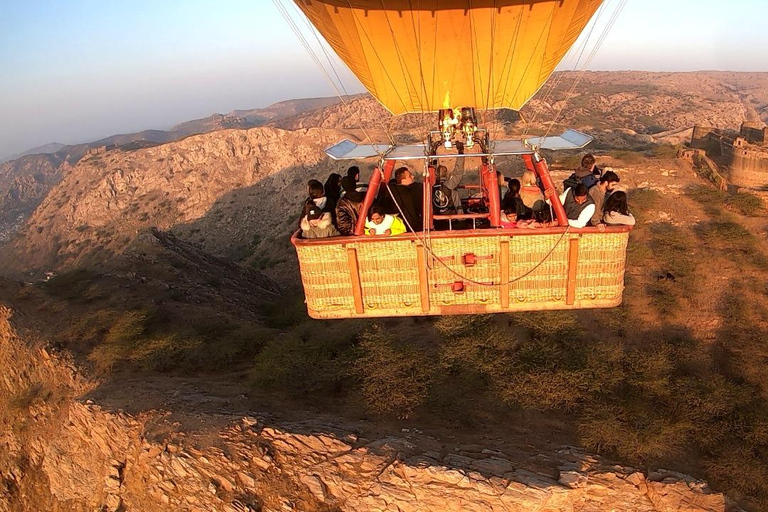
(485, 271)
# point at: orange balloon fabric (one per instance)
(423, 55)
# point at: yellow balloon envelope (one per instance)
(423, 55)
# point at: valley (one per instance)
(158, 354)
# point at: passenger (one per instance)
(354, 173)
(348, 208)
(514, 204)
(333, 188)
(445, 197)
(383, 224)
(503, 184)
(616, 212)
(598, 193)
(587, 173)
(317, 197)
(508, 219)
(317, 224)
(531, 194)
(579, 206)
(407, 194)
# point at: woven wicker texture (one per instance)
(326, 278)
(546, 284)
(486, 270)
(602, 259)
(389, 274)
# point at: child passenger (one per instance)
(383, 224)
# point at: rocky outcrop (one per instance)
(109, 197)
(60, 453)
(24, 183)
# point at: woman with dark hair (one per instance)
(616, 211)
(333, 189)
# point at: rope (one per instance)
(600, 41)
(559, 76)
(428, 247)
(297, 32)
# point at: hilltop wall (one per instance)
(744, 154)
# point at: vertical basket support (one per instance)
(504, 262)
(573, 266)
(354, 274)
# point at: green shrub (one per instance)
(672, 246)
(394, 376)
(642, 200)
(639, 430)
(745, 204)
(706, 195)
(667, 151)
(737, 242)
(630, 157)
(310, 360)
(71, 285)
(130, 339)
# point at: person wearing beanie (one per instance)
(317, 224)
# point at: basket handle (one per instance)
(470, 259)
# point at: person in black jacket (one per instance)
(513, 203)
(407, 194)
(348, 207)
(333, 188)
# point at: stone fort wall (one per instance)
(745, 153)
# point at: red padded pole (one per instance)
(528, 159)
(370, 194)
(428, 182)
(550, 192)
(491, 182)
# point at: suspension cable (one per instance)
(588, 61)
(300, 36)
(560, 76)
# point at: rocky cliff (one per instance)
(24, 183)
(111, 196)
(63, 452)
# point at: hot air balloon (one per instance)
(455, 58)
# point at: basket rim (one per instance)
(297, 241)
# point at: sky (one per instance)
(74, 71)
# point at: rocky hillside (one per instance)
(651, 102)
(45, 149)
(234, 192)
(110, 197)
(63, 451)
(24, 183)
(647, 103)
(25, 180)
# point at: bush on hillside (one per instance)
(746, 204)
(310, 359)
(394, 376)
(666, 151)
(630, 157)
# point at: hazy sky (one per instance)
(78, 70)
